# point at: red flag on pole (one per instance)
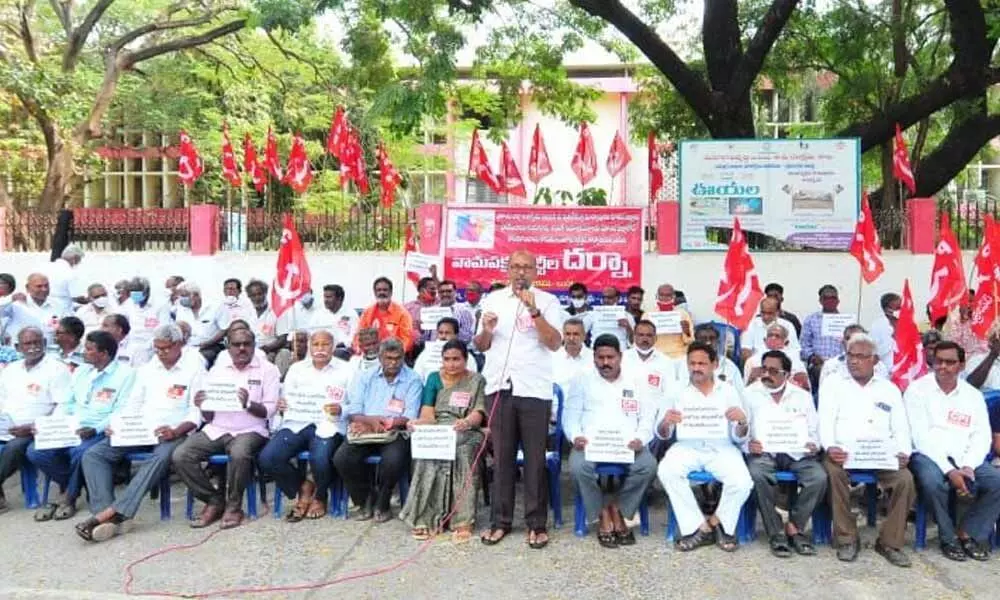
(337, 137)
(619, 156)
(908, 357)
(292, 278)
(985, 302)
(479, 165)
(584, 161)
(739, 289)
(251, 166)
(655, 168)
(538, 162)
(949, 289)
(389, 178)
(230, 171)
(299, 173)
(901, 169)
(352, 161)
(189, 163)
(512, 182)
(272, 164)
(866, 246)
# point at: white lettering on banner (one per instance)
(835, 323)
(701, 420)
(572, 260)
(871, 453)
(430, 315)
(667, 322)
(305, 404)
(221, 396)
(132, 429)
(433, 442)
(782, 431)
(56, 431)
(609, 445)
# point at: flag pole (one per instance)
(861, 286)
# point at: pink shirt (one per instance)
(263, 381)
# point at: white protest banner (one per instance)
(430, 315)
(607, 316)
(221, 396)
(132, 429)
(305, 404)
(872, 453)
(834, 324)
(420, 263)
(5, 424)
(56, 431)
(701, 420)
(609, 445)
(433, 442)
(666, 322)
(782, 432)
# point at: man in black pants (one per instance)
(518, 331)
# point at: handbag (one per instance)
(382, 437)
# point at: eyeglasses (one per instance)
(948, 362)
(775, 372)
(855, 356)
(514, 267)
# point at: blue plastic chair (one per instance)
(336, 489)
(743, 533)
(223, 459)
(870, 482)
(726, 331)
(29, 483)
(164, 485)
(553, 461)
(580, 514)
(404, 486)
(820, 518)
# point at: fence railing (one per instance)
(105, 229)
(352, 229)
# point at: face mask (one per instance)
(307, 300)
(471, 297)
(779, 389)
(644, 353)
(230, 300)
(101, 302)
(578, 302)
(184, 301)
(665, 306)
(137, 297)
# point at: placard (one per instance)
(433, 442)
(665, 321)
(420, 264)
(6, 422)
(872, 453)
(132, 429)
(56, 431)
(701, 420)
(305, 404)
(609, 445)
(433, 359)
(430, 315)
(782, 432)
(221, 396)
(834, 324)
(606, 317)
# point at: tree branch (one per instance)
(79, 36)
(131, 58)
(760, 46)
(291, 54)
(26, 11)
(62, 10)
(138, 32)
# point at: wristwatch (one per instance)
(535, 313)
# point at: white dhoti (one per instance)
(724, 462)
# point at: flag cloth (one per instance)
(479, 165)
(292, 279)
(739, 289)
(337, 138)
(352, 162)
(389, 177)
(985, 303)
(948, 288)
(655, 168)
(901, 169)
(584, 161)
(618, 157)
(410, 247)
(908, 357)
(272, 164)
(538, 162)
(230, 170)
(189, 163)
(512, 182)
(299, 172)
(866, 246)
(251, 166)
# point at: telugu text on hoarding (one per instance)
(801, 193)
(596, 246)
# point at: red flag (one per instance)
(292, 279)
(189, 163)
(337, 138)
(479, 165)
(908, 357)
(230, 172)
(655, 169)
(866, 246)
(538, 163)
(985, 303)
(299, 174)
(389, 178)
(901, 169)
(618, 156)
(251, 166)
(584, 159)
(739, 289)
(512, 182)
(948, 287)
(272, 164)
(352, 162)
(411, 246)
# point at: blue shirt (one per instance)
(95, 395)
(373, 396)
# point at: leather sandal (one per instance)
(490, 538)
(695, 540)
(607, 539)
(723, 540)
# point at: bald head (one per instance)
(521, 269)
(769, 309)
(38, 287)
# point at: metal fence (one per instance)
(103, 229)
(355, 229)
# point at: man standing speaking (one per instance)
(518, 332)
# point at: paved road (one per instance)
(47, 560)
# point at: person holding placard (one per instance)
(784, 436)
(863, 425)
(710, 423)
(389, 318)
(776, 338)
(429, 359)
(822, 332)
(452, 397)
(726, 371)
(426, 298)
(466, 320)
(610, 317)
(97, 390)
(609, 418)
(160, 404)
(312, 418)
(29, 388)
(382, 401)
(672, 344)
(250, 389)
(951, 436)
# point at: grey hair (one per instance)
(779, 327)
(141, 281)
(122, 284)
(574, 321)
(390, 345)
(190, 287)
(859, 339)
(93, 286)
(72, 251)
(168, 333)
(318, 332)
(37, 330)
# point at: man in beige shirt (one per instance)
(674, 345)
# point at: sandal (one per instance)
(297, 513)
(779, 545)
(490, 537)
(232, 520)
(801, 544)
(723, 540)
(462, 534)
(317, 509)
(210, 514)
(85, 529)
(625, 538)
(695, 540)
(421, 534)
(65, 511)
(975, 550)
(534, 543)
(46, 512)
(607, 539)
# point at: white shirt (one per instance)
(954, 424)
(334, 380)
(848, 410)
(143, 321)
(133, 354)
(193, 354)
(45, 316)
(596, 403)
(992, 381)
(723, 396)
(165, 395)
(566, 369)
(227, 313)
(659, 372)
(754, 361)
(26, 394)
(882, 333)
(64, 284)
(838, 366)
(204, 325)
(754, 336)
(343, 324)
(267, 327)
(596, 329)
(92, 317)
(794, 401)
(516, 359)
(360, 365)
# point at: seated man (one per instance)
(573, 359)
(776, 338)
(984, 369)
(329, 378)
(726, 370)
(659, 372)
(752, 340)
(240, 435)
(162, 391)
(381, 400)
(673, 345)
(838, 365)
(97, 390)
(951, 435)
(69, 334)
(865, 407)
(708, 441)
(769, 400)
(367, 357)
(608, 397)
(270, 331)
(29, 388)
(127, 353)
